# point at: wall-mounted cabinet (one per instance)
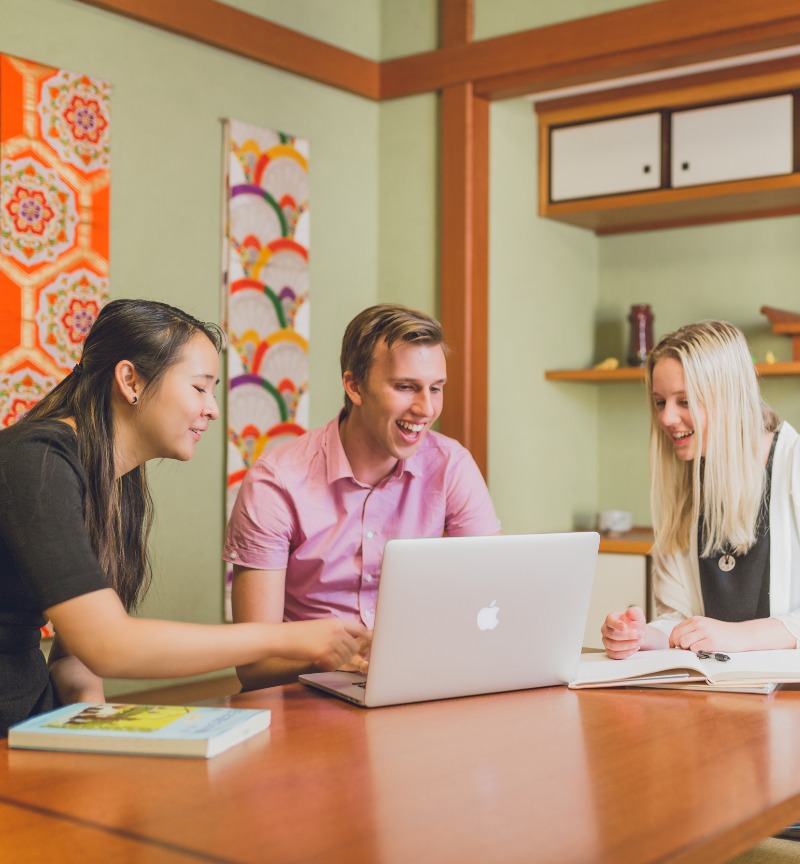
(606, 158)
(734, 141)
(686, 151)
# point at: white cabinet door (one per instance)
(620, 582)
(732, 142)
(605, 158)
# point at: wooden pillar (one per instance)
(464, 246)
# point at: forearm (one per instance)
(74, 682)
(96, 629)
(653, 639)
(147, 648)
(765, 634)
(272, 671)
(259, 595)
(710, 634)
(71, 679)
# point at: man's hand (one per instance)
(359, 662)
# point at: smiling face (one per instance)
(169, 421)
(672, 409)
(394, 408)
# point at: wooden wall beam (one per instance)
(656, 35)
(629, 41)
(230, 29)
(464, 245)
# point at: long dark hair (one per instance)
(118, 513)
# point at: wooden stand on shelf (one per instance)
(787, 324)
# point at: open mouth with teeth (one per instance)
(682, 436)
(410, 431)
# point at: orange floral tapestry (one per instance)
(54, 224)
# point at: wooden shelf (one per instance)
(636, 373)
(777, 370)
(667, 208)
(597, 376)
(637, 541)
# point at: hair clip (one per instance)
(712, 655)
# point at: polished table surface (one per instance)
(547, 775)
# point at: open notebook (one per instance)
(674, 668)
(459, 616)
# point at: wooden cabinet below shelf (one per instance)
(637, 541)
(636, 373)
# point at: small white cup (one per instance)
(614, 521)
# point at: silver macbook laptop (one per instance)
(460, 616)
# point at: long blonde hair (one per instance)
(719, 377)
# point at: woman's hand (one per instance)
(699, 633)
(329, 643)
(623, 633)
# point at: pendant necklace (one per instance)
(727, 562)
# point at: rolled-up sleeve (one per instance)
(262, 522)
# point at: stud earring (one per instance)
(134, 400)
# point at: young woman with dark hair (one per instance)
(76, 513)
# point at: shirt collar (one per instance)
(338, 465)
(336, 461)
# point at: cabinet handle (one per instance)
(684, 166)
(646, 169)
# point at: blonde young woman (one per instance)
(725, 499)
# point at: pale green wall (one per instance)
(378, 29)
(408, 212)
(408, 27)
(542, 437)
(354, 25)
(497, 17)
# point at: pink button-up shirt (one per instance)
(301, 508)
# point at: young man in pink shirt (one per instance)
(307, 532)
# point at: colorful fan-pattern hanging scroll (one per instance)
(54, 209)
(265, 261)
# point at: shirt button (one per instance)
(234, 555)
(370, 535)
(368, 577)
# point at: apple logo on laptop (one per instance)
(487, 617)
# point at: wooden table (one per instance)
(539, 776)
